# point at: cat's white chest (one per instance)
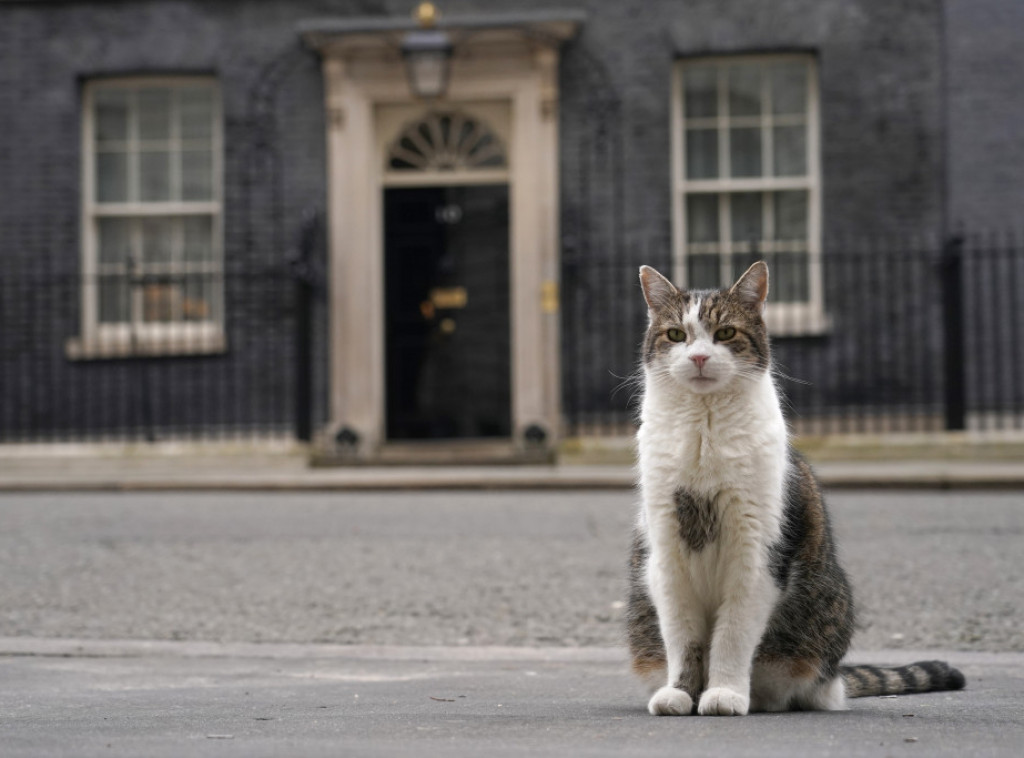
(710, 449)
(730, 452)
(711, 482)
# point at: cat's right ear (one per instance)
(659, 292)
(752, 287)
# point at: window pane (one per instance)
(791, 215)
(155, 176)
(701, 153)
(703, 272)
(111, 108)
(113, 299)
(791, 277)
(158, 300)
(157, 240)
(700, 85)
(115, 243)
(154, 144)
(197, 304)
(196, 113)
(111, 177)
(744, 89)
(746, 217)
(745, 152)
(154, 114)
(196, 175)
(702, 218)
(789, 88)
(790, 151)
(198, 239)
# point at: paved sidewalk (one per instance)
(96, 698)
(290, 472)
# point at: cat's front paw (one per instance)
(721, 701)
(669, 701)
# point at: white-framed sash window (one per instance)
(747, 179)
(152, 259)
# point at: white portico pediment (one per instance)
(502, 100)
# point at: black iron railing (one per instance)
(156, 356)
(912, 337)
(876, 338)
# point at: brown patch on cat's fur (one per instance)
(802, 668)
(648, 667)
(645, 644)
(698, 520)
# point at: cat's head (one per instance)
(706, 340)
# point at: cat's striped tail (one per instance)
(923, 676)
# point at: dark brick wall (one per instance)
(881, 105)
(986, 111)
(274, 171)
(51, 48)
(883, 158)
(882, 166)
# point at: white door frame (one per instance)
(364, 72)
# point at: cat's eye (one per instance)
(676, 335)
(725, 333)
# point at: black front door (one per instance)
(447, 305)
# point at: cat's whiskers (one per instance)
(778, 372)
(634, 382)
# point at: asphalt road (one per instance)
(931, 570)
(269, 579)
(452, 702)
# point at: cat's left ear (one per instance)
(659, 292)
(752, 287)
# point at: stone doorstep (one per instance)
(441, 453)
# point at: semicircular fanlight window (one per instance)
(446, 141)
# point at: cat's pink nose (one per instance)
(700, 360)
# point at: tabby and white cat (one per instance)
(737, 600)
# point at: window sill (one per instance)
(786, 320)
(120, 344)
